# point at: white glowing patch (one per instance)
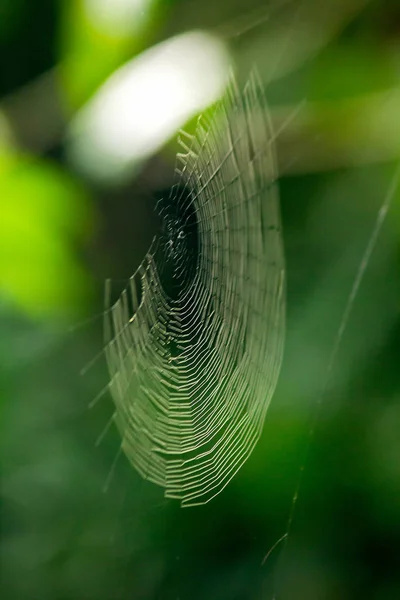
(144, 103)
(117, 17)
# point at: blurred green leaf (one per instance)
(43, 213)
(351, 68)
(97, 37)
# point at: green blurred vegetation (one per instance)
(61, 234)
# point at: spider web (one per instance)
(194, 343)
(156, 390)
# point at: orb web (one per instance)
(194, 343)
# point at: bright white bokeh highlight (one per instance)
(146, 101)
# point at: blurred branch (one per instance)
(342, 133)
(288, 33)
(322, 136)
(34, 113)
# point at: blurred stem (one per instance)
(322, 136)
(34, 114)
(345, 132)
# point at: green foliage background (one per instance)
(61, 234)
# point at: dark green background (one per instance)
(62, 234)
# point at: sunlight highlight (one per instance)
(144, 103)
